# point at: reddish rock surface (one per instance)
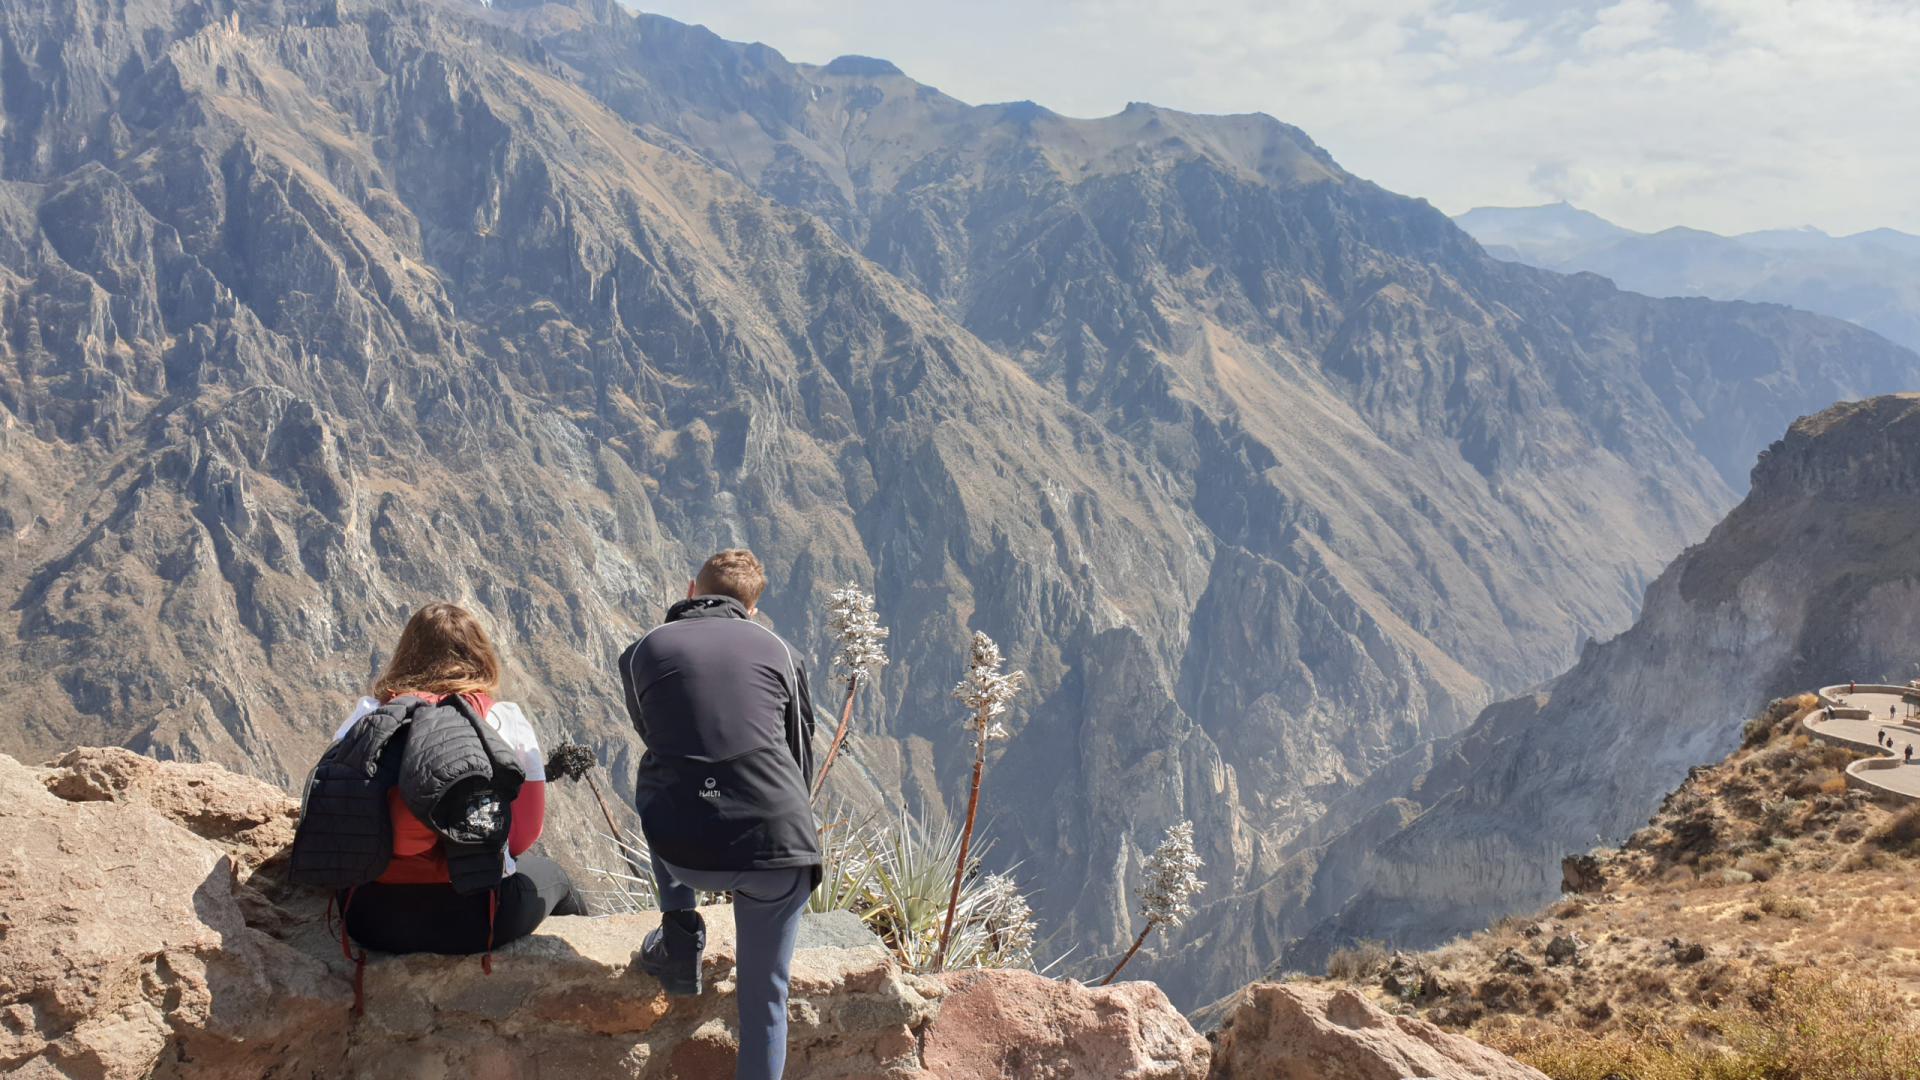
(1295, 1032)
(1020, 1025)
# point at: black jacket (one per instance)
(454, 773)
(723, 706)
(459, 777)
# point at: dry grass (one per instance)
(1735, 879)
(1803, 1024)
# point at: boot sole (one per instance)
(675, 985)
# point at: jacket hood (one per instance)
(707, 607)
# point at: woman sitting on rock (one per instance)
(465, 791)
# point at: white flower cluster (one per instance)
(1173, 876)
(1009, 922)
(856, 626)
(986, 691)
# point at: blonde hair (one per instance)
(734, 572)
(443, 650)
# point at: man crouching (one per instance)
(722, 704)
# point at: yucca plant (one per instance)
(986, 691)
(893, 873)
(863, 650)
(631, 889)
(846, 868)
(912, 863)
(910, 866)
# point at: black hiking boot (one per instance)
(672, 953)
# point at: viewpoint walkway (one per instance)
(1857, 714)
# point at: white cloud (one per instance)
(1724, 114)
(1629, 22)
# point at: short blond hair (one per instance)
(734, 572)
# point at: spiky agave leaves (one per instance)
(986, 691)
(1173, 877)
(855, 626)
(908, 866)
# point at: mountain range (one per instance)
(1266, 476)
(1871, 278)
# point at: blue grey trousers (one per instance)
(766, 919)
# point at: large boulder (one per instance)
(1023, 1026)
(1296, 1032)
(145, 931)
(125, 944)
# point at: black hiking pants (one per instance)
(435, 919)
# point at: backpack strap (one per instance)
(493, 913)
(359, 960)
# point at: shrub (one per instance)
(1901, 831)
(1358, 962)
(1824, 780)
(1786, 907)
(1778, 815)
(1758, 867)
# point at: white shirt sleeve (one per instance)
(517, 731)
(365, 706)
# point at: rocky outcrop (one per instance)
(320, 309)
(145, 932)
(1011, 1023)
(133, 938)
(1291, 1032)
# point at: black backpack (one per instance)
(345, 835)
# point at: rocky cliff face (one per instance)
(317, 309)
(1810, 579)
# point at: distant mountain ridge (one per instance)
(1871, 278)
(1266, 476)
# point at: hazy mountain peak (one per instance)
(1871, 278)
(866, 67)
(1544, 234)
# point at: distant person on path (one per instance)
(1909, 753)
(722, 704)
(459, 784)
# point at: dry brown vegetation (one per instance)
(1766, 923)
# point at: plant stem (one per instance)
(618, 840)
(966, 841)
(839, 735)
(1137, 942)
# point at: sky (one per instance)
(1727, 115)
